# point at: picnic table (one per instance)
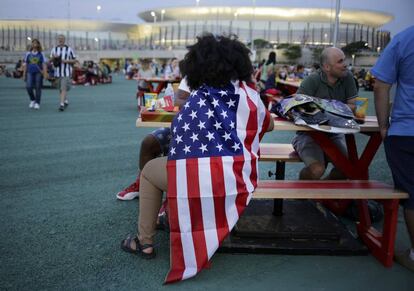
(355, 167)
(157, 84)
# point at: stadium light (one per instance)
(154, 15)
(162, 15)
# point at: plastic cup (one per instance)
(361, 106)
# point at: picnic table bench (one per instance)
(380, 244)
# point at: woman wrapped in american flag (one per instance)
(212, 167)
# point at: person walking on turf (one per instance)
(63, 58)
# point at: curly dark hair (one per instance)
(215, 61)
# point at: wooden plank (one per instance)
(327, 190)
(291, 83)
(271, 152)
(370, 125)
(140, 123)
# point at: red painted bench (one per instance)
(381, 244)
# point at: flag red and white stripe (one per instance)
(207, 194)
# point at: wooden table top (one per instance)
(160, 79)
(370, 125)
(292, 83)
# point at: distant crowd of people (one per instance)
(145, 68)
(92, 73)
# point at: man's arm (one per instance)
(44, 71)
(351, 91)
(44, 67)
(351, 104)
(182, 93)
(382, 105)
(271, 124)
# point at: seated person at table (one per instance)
(144, 72)
(131, 71)
(315, 67)
(105, 70)
(332, 81)
(282, 73)
(172, 70)
(300, 72)
(117, 68)
(155, 144)
(18, 70)
(212, 85)
(91, 74)
(291, 72)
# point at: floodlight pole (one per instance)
(336, 28)
(252, 27)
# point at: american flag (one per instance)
(212, 170)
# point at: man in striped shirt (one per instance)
(63, 58)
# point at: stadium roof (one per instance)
(363, 17)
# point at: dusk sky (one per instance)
(127, 10)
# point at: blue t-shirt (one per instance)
(396, 65)
(34, 62)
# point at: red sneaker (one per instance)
(130, 192)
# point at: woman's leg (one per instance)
(38, 86)
(29, 86)
(153, 183)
